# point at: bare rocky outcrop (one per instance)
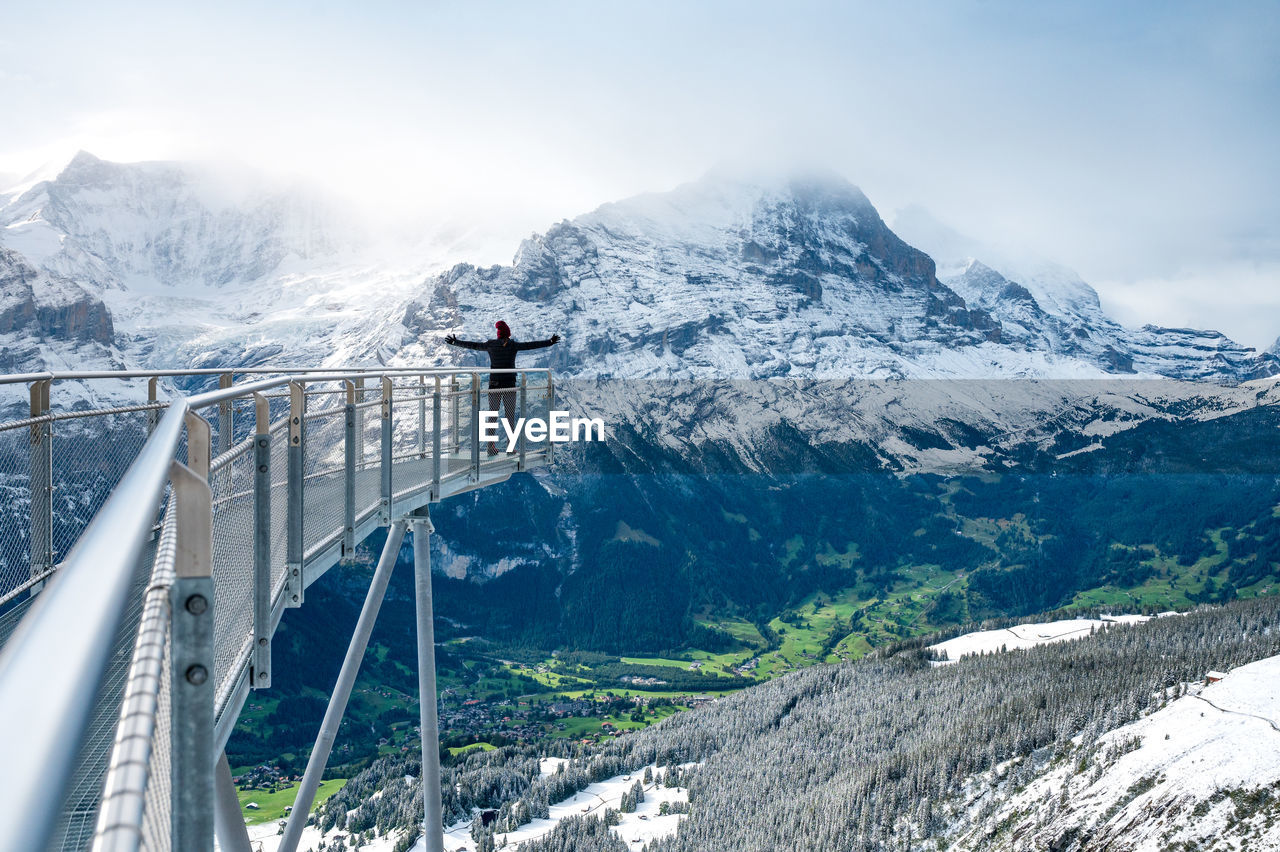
(49, 307)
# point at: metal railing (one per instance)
(223, 507)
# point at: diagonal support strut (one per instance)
(433, 823)
(342, 690)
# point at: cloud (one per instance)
(1130, 142)
(1242, 300)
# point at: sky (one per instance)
(1134, 142)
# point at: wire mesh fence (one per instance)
(90, 455)
(369, 453)
(279, 472)
(15, 509)
(81, 803)
(157, 814)
(231, 480)
(134, 801)
(323, 471)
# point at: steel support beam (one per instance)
(435, 442)
(360, 424)
(475, 427)
(551, 404)
(388, 457)
(524, 413)
(153, 415)
(433, 820)
(454, 435)
(294, 511)
(41, 484)
(226, 426)
(228, 822)
(260, 674)
(191, 682)
(349, 475)
(422, 416)
(342, 690)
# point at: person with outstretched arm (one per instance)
(502, 356)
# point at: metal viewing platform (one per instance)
(149, 550)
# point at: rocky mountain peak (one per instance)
(84, 168)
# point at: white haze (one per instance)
(1133, 143)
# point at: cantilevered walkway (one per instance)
(149, 549)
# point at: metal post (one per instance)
(294, 548)
(475, 427)
(551, 404)
(349, 475)
(228, 822)
(387, 447)
(360, 424)
(435, 443)
(433, 821)
(342, 690)
(153, 414)
(225, 413)
(524, 412)
(422, 416)
(191, 651)
(198, 443)
(453, 423)
(260, 673)
(41, 484)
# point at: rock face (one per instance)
(65, 310)
(38, 311)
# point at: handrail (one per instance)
(59, 653)
(20, 378)
(60, 649)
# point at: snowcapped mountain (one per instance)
(1076, 327)
(800, 278)
(721, 280)
(168, 265)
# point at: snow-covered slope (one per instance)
(1201, 773)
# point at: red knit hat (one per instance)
(504, 330)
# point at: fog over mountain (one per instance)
(163, 264)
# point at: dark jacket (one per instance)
(502, 356)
